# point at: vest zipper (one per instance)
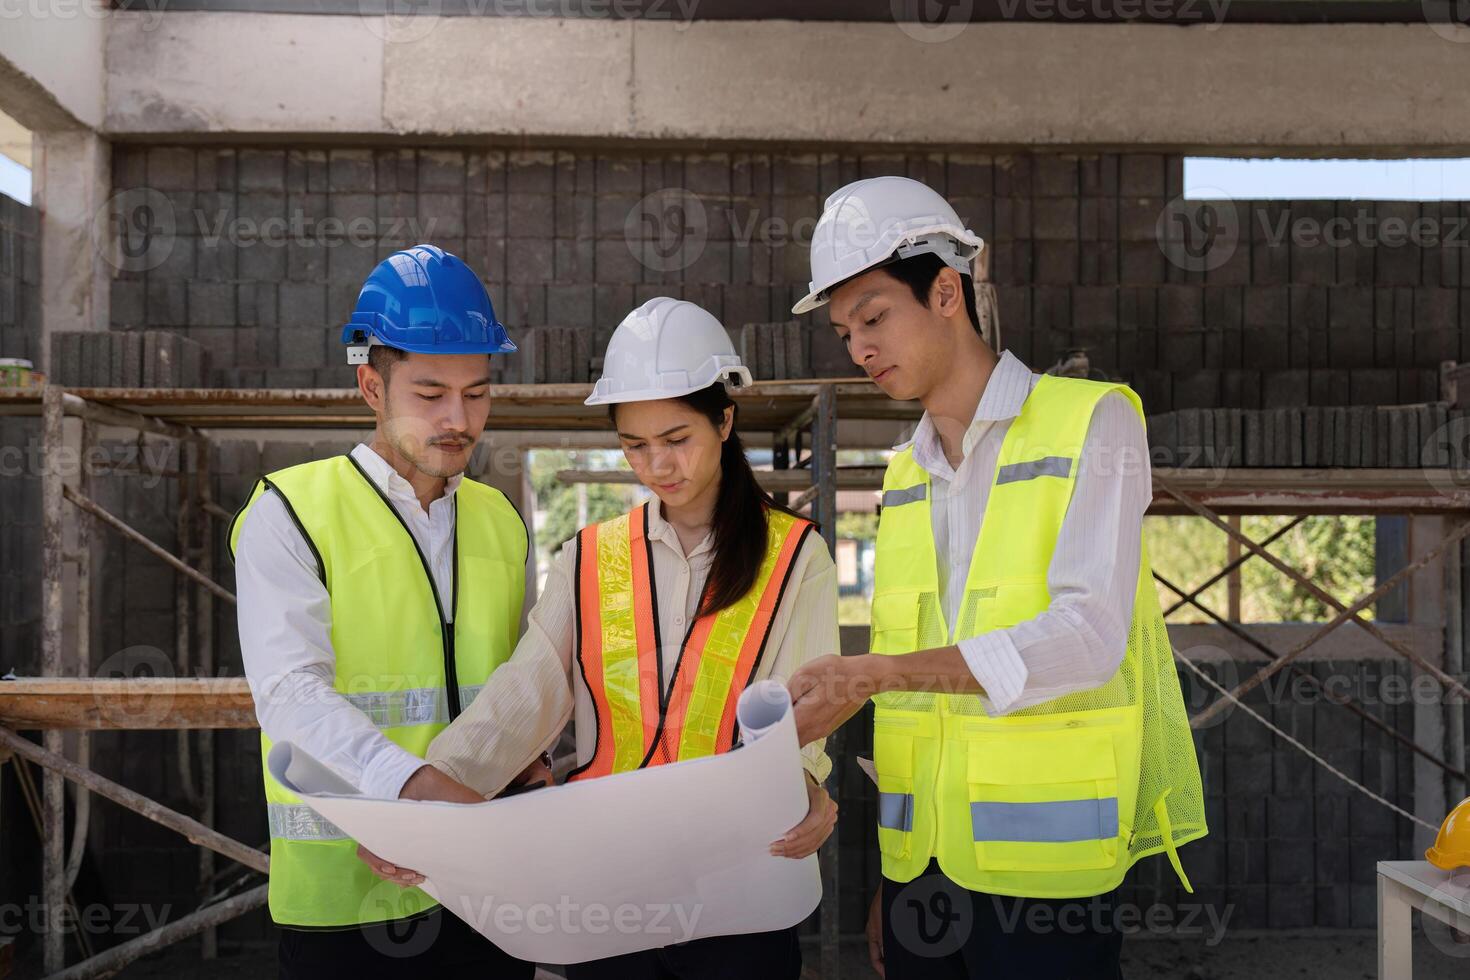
(446, 628)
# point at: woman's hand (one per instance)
(402, 877)
(534, 776)
(807, 836)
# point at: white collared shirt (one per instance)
(285, 618)
(1078, 641)
(528, 700)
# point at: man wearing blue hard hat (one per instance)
(377, 591)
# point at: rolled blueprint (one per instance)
(608, 866)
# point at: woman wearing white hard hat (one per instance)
(699, 592)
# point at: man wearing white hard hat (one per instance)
(1030, 742)
(652, 623)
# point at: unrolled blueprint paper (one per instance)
(608, 866)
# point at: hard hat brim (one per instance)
(601, 396)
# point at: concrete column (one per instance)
(72, 178)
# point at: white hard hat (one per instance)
(868, 222)
(664, 349)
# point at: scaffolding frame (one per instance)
(800, 416)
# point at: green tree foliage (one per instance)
(1334, 552)
(558, 500)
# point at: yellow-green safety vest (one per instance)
(398, 658)
(1056, 800)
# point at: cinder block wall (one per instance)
(572, 238)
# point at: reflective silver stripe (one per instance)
(1032, 468)
(896, 811)
(297, 821)
(414, 706)
(1052, 823)
(907, 495)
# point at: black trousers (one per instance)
(934, 929)
(434, 944)
(755, 956)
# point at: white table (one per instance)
(1407, 885)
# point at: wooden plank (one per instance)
(126, 703)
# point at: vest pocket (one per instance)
(893, 757)
(895, 619)
(1044, 802)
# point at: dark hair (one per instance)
(740, 510)
(382, 358)
(919, 272)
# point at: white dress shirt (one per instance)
(529, 699)
(1078, 641)
(285, 618)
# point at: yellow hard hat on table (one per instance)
(1451, 848)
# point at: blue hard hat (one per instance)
(426, 301)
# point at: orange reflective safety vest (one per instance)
(620, 653)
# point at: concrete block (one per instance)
(1434, 436)
(1294, 436)
(1382, 439)
(150, 358)
(169, 356)
(194, 367)
(132, 358)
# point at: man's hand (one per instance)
(429, 783)
(875, 932)
(402, 877)
(812, 832)
(829, 690)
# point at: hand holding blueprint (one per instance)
(614, 865)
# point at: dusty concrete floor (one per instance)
(1320, 956)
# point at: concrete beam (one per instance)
(1242, 88)
(51, 63)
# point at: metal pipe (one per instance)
(1235, 562)
(106, 963)
(1454, 663)
(82, 813)
(1341, 700)
(53, 857)
(110, 415)
(204, 635)
(183, 623)
(82, 800)
(824, 486)
(127, 531)
(192, 829)
(1367, 626)
(1351, 612)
